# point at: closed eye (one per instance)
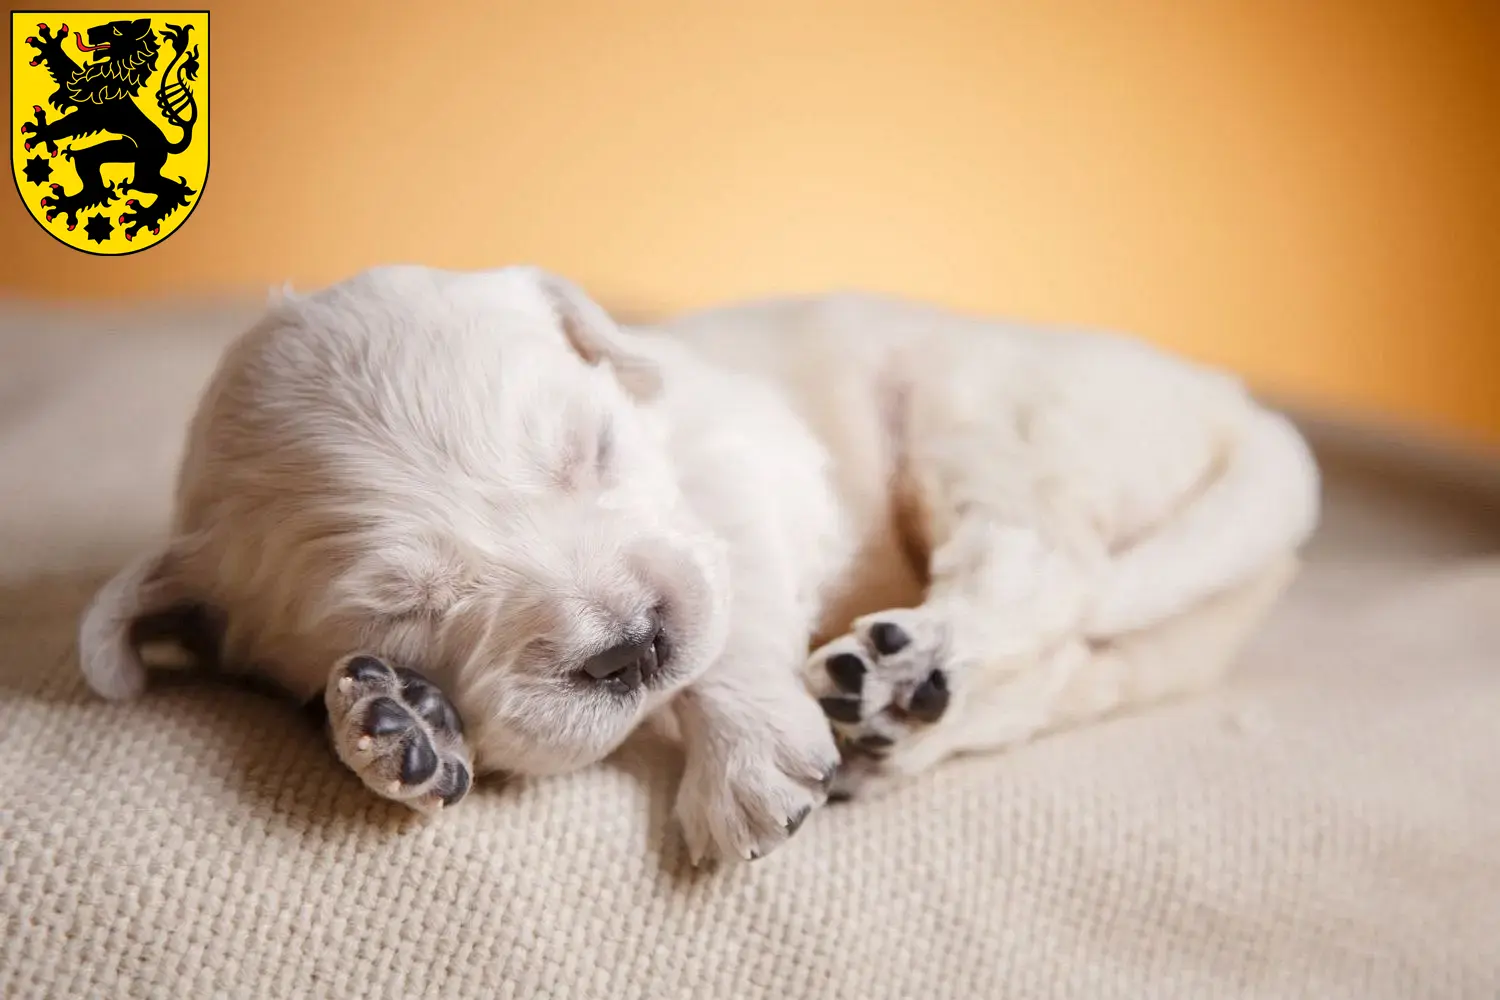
(586, 459)
(604, 449)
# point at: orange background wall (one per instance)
(1309, 192)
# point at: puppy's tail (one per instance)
(1263, 505)
(141, 604)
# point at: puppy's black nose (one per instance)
(631, 663)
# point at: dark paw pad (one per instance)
(840, 709)
(420, 761)
(847, 671)
(930, 700)
(386, 716)
(888, 638)
(427, 701)
(366, 670)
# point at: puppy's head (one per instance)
(470, 473)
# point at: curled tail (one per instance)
(142, 607)
(1264, 505)
(174, 95)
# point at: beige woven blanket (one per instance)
(1328, 826)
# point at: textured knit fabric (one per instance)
(1326, 826)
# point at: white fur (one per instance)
(409, 463)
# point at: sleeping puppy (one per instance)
(495, 531)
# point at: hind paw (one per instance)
(398, 732)
(883, 683)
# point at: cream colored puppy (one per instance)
(494, 531)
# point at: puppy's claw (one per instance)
(795, 821)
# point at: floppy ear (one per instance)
(141, 598)
(598, 339)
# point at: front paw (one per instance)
(398, 732)
(746, 793)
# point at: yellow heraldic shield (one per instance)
(109, 120)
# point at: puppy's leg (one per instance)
(1183, 655)
(760, 756)
(905, 729)
(398, 732)
(1020, 557)
(1012, 565)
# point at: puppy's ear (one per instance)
(598, 339)
(109, 633)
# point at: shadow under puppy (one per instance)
(498, 532)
